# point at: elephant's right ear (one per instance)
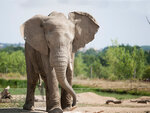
(33, 33)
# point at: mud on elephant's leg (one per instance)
(66, 102)
(32, 79)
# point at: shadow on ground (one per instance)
(19, 110)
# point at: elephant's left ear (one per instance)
(85, 29)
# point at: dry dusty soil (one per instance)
(89, 103)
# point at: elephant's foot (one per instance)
(66, 104)
(66, 109)
(28, 107)
(69, 108)
(55, 110)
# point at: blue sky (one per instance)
(122, 20)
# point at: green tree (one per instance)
(97, 69)
(3, 62)
(12, 62)
(146, 74)
(11, 49)
(16, 62)
(91, 51)
(147, 57)
(125, 64)
(114, 62)
(79, 66)
(140, 62)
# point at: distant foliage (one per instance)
(146, 75)
(147, 54)
(12, 60)
(79, 66)
(114, 62)
(125, 64)
(146, 48)
(10, 49)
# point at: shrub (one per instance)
(13, 83)
(146, 74)
(112, 77)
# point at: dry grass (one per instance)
(11, 76)
(105, 84)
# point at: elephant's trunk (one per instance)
(60, 69)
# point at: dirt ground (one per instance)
(89, 103)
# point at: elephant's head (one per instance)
(57, 37)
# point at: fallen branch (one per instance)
(115, 102)
(140, 101)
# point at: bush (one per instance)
(112, 77)
(79, 66)
(3, 83)
(12, 62)
(146, 74)
(13, 83)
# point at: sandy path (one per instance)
(91, 103)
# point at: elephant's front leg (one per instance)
(66, 102)
(52, 91)
(32, 78)
(31, 85)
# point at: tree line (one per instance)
(116, 62)
(12, 60)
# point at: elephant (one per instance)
(50, 44)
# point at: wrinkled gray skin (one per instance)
(50, 44)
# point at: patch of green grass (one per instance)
(117, 93)
(20, 91)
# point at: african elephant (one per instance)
(50, 44)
